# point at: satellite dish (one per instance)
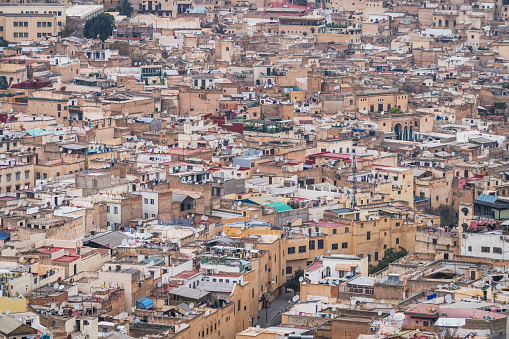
(55, 286)
(257, 170)
(396, 331)
(223, 234)
(109, 228)
(196, 235)
(379, 313)
(439, 287)
(124, 242)
(498, 286)
(76, 306)
(255, 216)
(328, 251)
(151, 263)
(242, 227)
(191, 305)
(239, 203)
(257, 328)
(392, 312)
(498, 269)
(301, 279)
(139, 222)
(239, 232)
(453, 153)
(53, 306)
(382, 301)
(159, 284)
(429, 223)
(296, 298)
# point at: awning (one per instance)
(344, 267)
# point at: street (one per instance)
(274, 312)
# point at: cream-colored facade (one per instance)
(34, 27)
(19, 22)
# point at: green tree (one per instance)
(447, 215)
(390, 255)
(4, 43)
(66, 31)
(220, 29)
(125, 7)
(101, 25)
(294, 282)
(123, 48)
(395, 110)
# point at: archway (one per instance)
(397, 131)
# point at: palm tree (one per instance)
(125, 7)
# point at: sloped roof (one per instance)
(10, 326)
(190, 293)
(280, 207)
(108, 239)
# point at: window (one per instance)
(302, 249)
(397, 241)
(152, 202)
(15, 23)
(376, 256)
(344, 245)
(8, 176)
(320, 244)
(311, 245)
(145, 201)
(485, 249)
(368, 236)
(470, 248)
(288, 269)
(347, 230)
(291, 250)
(115, 210)
(107, 209)
(334, 231)
(435, 241)
(334, 246)
(27, 174)
(497, 250)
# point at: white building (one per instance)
(335, 268)
(85, 12)
(493, 245)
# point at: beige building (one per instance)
(30, 21)
(381, 100)
(16, 28)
